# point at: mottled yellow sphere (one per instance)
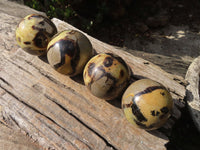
(106, 76)
(147, 104)
(34, 32)
(69, 51)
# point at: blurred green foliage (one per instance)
(53, 8)
(84, 14)
(63, 10)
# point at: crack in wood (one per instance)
(7, 83)
(66, 98)
(78, 95)
(52, 79)
(107, 143)
(20, 67)
(4, 123)
(37, 111)
(8, 120)
(10, 117)
(13, 95)
(29, 134)
(62, 137)
(13, 119)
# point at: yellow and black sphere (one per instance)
(34, 32)
(69, 51)
(147, 104)
(106, 76)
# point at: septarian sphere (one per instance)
(106, 76)
(34, 32)
(147, 104)
(69, 51)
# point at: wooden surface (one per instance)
(11, 140)
(58, 112)
(192, 96)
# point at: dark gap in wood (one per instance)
(13, 119)
(26, 131)
(20, 67)
(42, 72)
(80, 96)
(8, 120)
(61, 135)
(107, 143)
(63, 86)
(146, 63)
(4, 123)
(54, 101)
(29, 106)
(37, 68)
(3, 80)
(35, 110)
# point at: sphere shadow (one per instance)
(78, 78)
(184, 134)
(115, 102)
(43, 58)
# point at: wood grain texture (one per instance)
(60, 113)
(10, 140)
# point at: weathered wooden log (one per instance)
(192, 92)
(59, 112)
(15, 140)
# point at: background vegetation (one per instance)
(84, 14)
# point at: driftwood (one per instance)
(58, 112)
(192, 92)
(10, 140)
